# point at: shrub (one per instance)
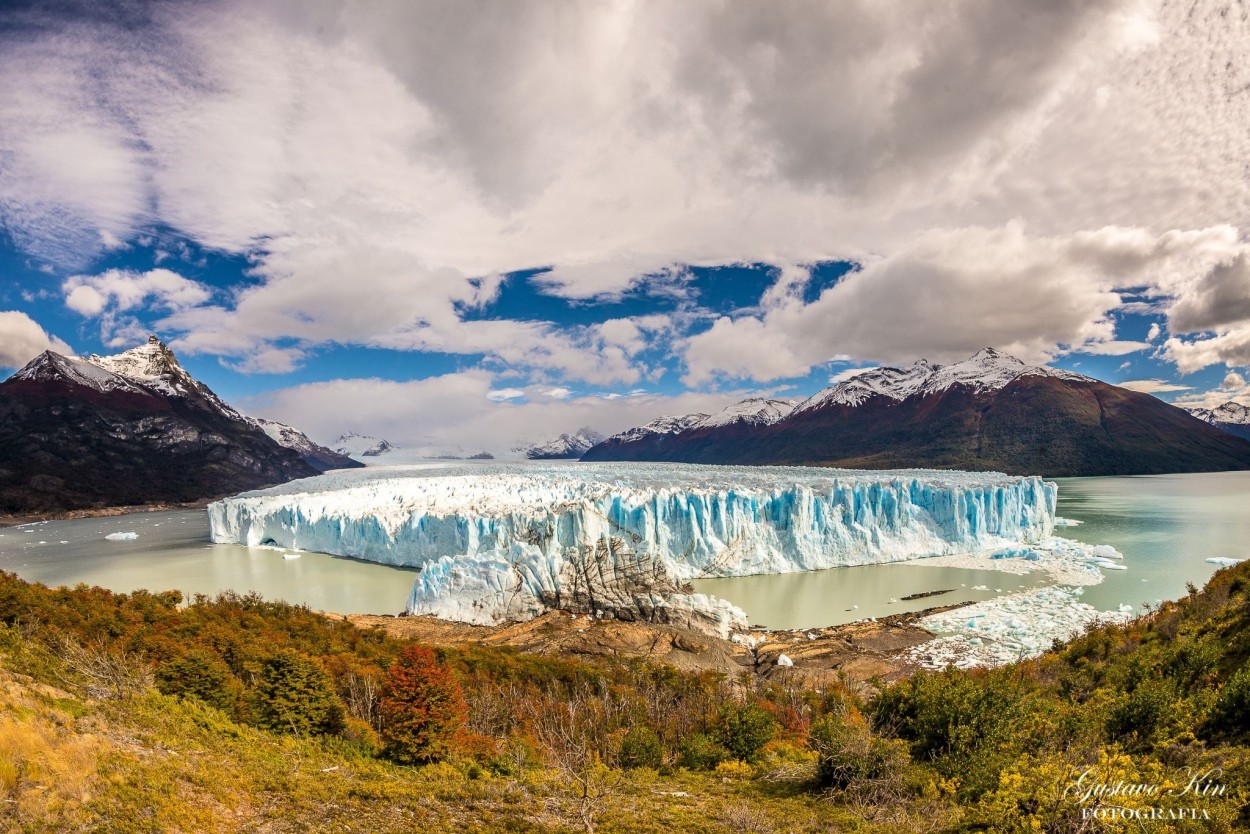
(1231, 713)
(199, 674)
(850, 754)
(641, 748)
(422, 708)
(295, 695)
(701, 752)
(1145, 713)
(744, 729)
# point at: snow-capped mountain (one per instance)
(754, 411)
(1232, 417)
(566, 446)
(362, 445)
(315, 455)
(988, 412)
(986, 370)
(660, 426)
(128, 429)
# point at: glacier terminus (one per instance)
(499, 542)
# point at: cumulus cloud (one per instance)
(22, 339)
(379, 161)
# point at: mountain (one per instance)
(361, 446)
(1232, 417)
(127, 429)
(315, 455)
(989, 412)
(566, 446)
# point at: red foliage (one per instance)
(422, 707)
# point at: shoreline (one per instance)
(17, 519)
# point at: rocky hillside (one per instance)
(128, 429)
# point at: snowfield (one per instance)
(508, 541)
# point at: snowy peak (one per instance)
(153, 366)
(314, 454)
(565, 446)
(753, 411)
(659, 426)
(986, 370)
(362, 445)
(1231, 412)
(53, 367)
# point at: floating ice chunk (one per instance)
(1026, 553)
(121, 537)
(980, 587)
(1106, 551)
(1224, 562)
(1060, 521)
(783, 660)
(291, 555)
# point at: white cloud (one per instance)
(1233, 388)
(376, 159)
(455, 410)
(22, 339)
(1153, 333)
(503, 394)
(1152, 386)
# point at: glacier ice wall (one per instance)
(507, 541)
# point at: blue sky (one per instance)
(461, 230)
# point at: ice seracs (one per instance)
(506, 542)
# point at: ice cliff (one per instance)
(498, 542)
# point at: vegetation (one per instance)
(138, 713)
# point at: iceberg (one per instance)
(120, 537)
(508, 541)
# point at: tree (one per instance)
(199, 674)
(295, 695)
(744, 729)
(422, 708)
(641, 748)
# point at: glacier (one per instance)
(499, 542)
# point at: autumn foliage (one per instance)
(423, 708)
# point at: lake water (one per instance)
(1165, 525)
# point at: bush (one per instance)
(1144, 714)
(198, 674)
(849, 754)
(744, 729)
(295, 695)
(423, 709)
(641, 748)
(701, 752)
(1231, 713)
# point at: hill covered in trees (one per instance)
(143, 712)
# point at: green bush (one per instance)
(701, 752)
(294, 695)
(201, 675)
(641, 748)
(744, 729)
(1231, 712)
(1143, 716)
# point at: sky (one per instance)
(468, 225)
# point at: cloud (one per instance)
(112, 296)
(1152, 386)
(1233, 388)
(22, 339)
(379, 162)
(455, 411)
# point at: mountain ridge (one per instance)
(989, 412)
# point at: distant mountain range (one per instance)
(564, 447)
(362, 445)
(989, 412)
(131, 429)
(1232, 417)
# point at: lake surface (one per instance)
(1165, 525)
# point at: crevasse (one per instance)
(508, 541)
